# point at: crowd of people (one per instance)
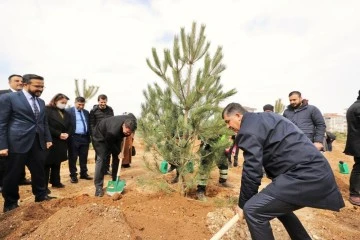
(41, 136)
(288, 149)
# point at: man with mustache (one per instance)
(306, 117)
(98, 113)
(24, 138)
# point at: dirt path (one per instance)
(150, 209)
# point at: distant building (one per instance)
(335, 122)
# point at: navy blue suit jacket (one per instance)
(18, 126)
(73, 120)
(300, 173)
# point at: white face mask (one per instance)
(61, 105)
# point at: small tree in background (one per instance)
(186, 109)
(88, 91)
(279, 106)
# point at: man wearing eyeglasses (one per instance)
(106, 138)
(24, 138)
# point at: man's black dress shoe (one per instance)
(59, 185)
(74, 180)
(10, 207)
(99, 192)
(46, 198)
(86, 177)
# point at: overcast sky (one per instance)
(270, 47)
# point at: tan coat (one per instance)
(127, 149)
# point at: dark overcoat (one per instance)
(58, 124)
(110, 132)
(300, 173)
(352, 147)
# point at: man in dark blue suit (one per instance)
(24, 138)
(301, 175)
(79, 140)
(15, 85)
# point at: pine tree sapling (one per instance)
(175, 117)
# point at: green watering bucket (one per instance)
(164, 166)
(343, 167)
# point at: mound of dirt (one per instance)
(91, 221)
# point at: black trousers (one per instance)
(355, 178)
(3, 171)
(34, 159)
(262, 208)
(107, 162)
(78, 148)
(52, 174)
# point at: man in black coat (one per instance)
(301, 176)
(307, 118)
(24, 138)
(352, 148)
(107, 136)
(99, 112)
(15, 85)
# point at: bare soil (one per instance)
(151, 208)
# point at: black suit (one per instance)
(78, 144)
(107, 137)
(301, 176)
(25, 137)
(3, 159)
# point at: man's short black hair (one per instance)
(268, 107)
(13, 75)
(28, 77)
(131, 123)
(295, 92)
(102, 96)
(233, 108)
(80, 99)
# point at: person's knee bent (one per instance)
(249, 211)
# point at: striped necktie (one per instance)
(35, 107)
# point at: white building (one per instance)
(335, 122)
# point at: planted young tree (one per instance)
(186, 108)
(279, 106)
(88, 92)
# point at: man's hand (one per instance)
(319, 146)
(4, 152)
(48, 145)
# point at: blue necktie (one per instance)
(36, 109)
(83, 122)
